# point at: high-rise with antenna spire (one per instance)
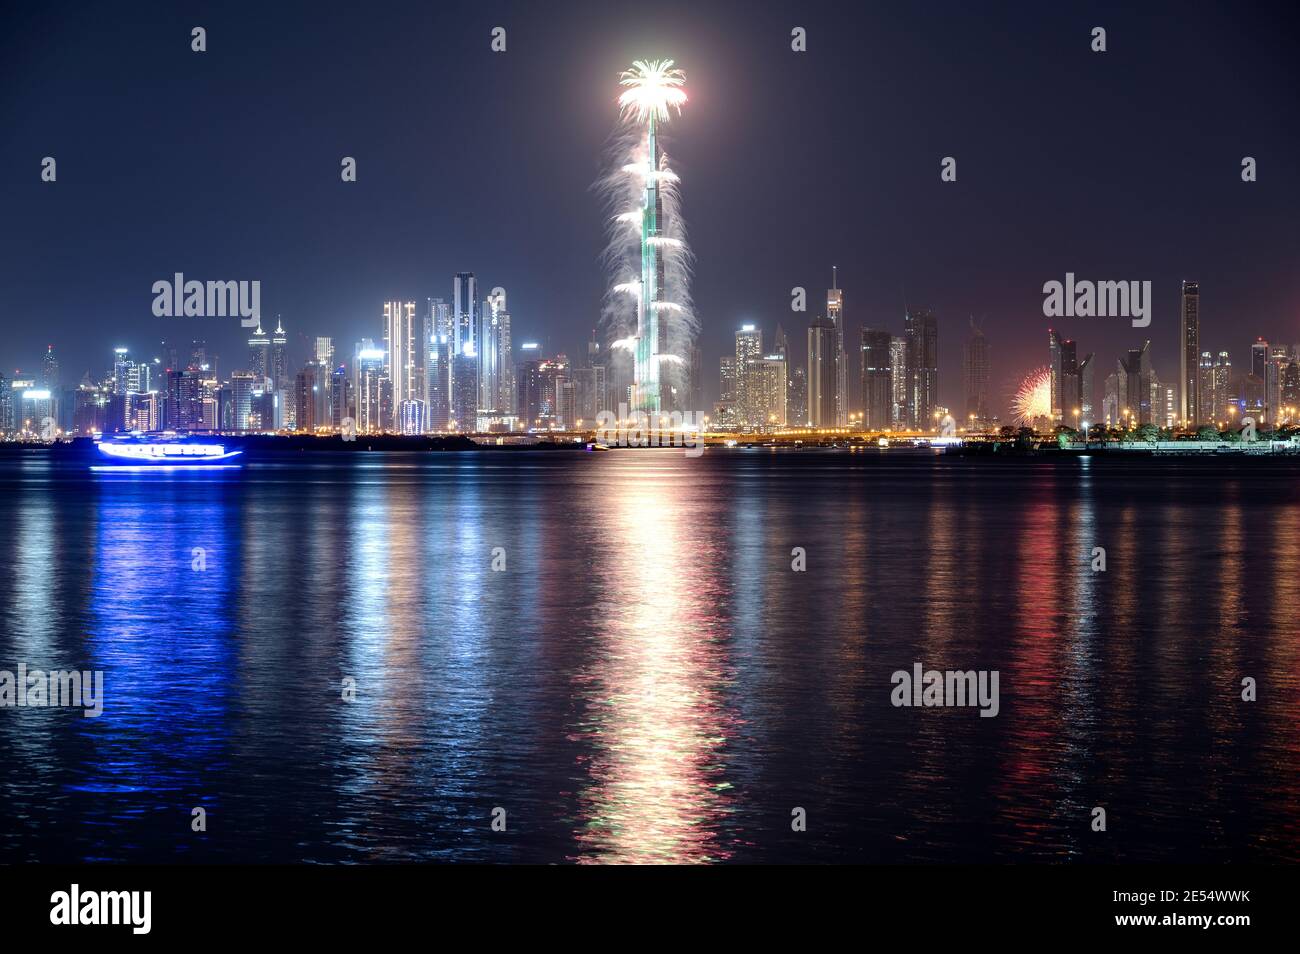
(658, 277)
(835, 314)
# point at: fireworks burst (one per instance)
(653, 88)
(1033, 399)
(648, 309)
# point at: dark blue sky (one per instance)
(225, 165)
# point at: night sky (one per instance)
(225, 165)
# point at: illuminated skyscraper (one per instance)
(370, 388)
(749, 348)
(528, 391)
(1189, 354)
(7, 407)
(1222, 390)
(1054, 367)
(464, 312)
(877, 380)
(1067, 379)
(464, 392)
(1258, 357)
(1205, 387)
(898, 372)
(769, 383)
(835, 315)
(184, 400)
(823, 372)
(1137, 386)
(725, 411)
(309, 386)
(438, 336)
(242, 386)
(648, 248)
(401, 341)
(259, 355)
(797, 400)
(489, 379)
(50, 370)
(922, 333)
(1087, 385)
(126, 375)
(279, 373)
(437, 381)
(464, 373)
(505, 361)
(341, 402)
(1273, 369)
(975, 377)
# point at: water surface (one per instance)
(648, 679)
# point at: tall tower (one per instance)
(401, 339)
(823, 372)
(279, 372)
(1054, 367)
(259, 347)
(835, 314)
(975, 372)
(49, 370)
(877, 380)
(1189, 351)
(489, 354)
(651, 91)
(922, 335)
(505, 360)
(1087, 382)
(749, 348)
(464, 313)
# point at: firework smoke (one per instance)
(633, 311)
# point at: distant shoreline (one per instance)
(255, 445)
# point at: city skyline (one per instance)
(988, 259)
(419, 391)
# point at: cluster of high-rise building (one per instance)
(1208, 393)
(450, 366)
(765, 389)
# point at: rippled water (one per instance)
(648, 679)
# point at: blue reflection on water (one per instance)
(161, 628)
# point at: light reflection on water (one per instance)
(648, 679)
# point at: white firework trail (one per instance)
(652, 92)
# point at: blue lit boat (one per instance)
(137, 452)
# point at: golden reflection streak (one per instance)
(651, 713)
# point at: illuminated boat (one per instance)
(136, 452)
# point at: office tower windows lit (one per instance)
(370, 387)
(749, 347)
(922, 335)
(464, 311)
(1087, 383)
(823, 372)
(1189, 354)
(975, 377)
(835, 315)
(877, 380)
